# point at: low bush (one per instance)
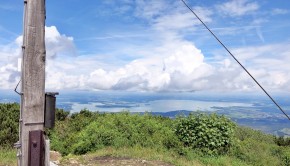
(244, 133)
(254, 147)
(212, 134)
(61, 114)
(281, 141)
(125, 130)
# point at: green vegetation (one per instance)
(281, 141)
(7, 156)
(9, 117)
(199, 139)
(136, 153)
(212, 134)
(87, 131)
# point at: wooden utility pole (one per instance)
(33, 76)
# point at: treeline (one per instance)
(196, 135)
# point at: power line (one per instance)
(237, 60)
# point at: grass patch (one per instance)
(221, 161)
(150, 154)
(136, 152)
(8, 157)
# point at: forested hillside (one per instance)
(208, 139)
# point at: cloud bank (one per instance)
(176, 66)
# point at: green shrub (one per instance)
(257, 148)
(255, 152)
(244, 133)
(63, 135)
(283, 154)
(125, 130)
(9, 124)
(61, 114)
(212, 134)
(281, 141)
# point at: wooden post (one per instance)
(33, 74)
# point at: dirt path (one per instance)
(104, 161)
(114, 161)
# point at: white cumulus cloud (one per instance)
(57, 44)
(155, 73)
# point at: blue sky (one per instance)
(154, 45)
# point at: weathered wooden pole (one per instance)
(33, 77)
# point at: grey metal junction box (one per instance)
(49, 112)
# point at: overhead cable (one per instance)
(236, 60)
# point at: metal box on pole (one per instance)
(49, 113)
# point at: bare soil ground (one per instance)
(114, 161)
(104, 161)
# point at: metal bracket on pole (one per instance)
(17, 145)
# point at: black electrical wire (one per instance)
(237, 60)
(15, 90)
